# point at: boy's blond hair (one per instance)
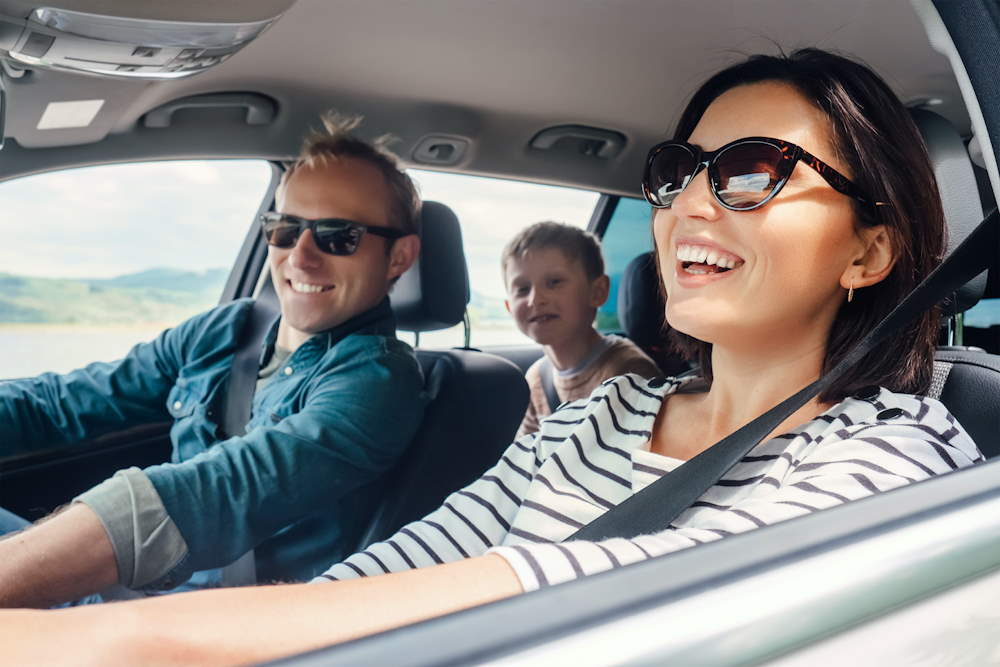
(577, 244)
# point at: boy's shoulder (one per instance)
(623, 356)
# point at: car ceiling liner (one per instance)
(118, 39)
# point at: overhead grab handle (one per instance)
(593, 141)
(260, 108)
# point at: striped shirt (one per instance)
(594, 453)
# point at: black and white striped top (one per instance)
(594, 453)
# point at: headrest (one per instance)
(640, 305)
(433, 294)
(959, 192)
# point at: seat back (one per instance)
(476, 400)
(966, 380)
(641, 313)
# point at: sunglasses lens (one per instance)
(667, 174)
(338, 239)
(280, 233)
(747, 173)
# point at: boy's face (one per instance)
(550, 296)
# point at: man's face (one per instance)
(318, 290)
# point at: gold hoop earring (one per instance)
(850, 292)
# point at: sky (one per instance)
(112, 220)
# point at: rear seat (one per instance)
(641, 313)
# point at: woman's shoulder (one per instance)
(626, 404)
(879, 415)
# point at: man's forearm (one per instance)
(63, 558)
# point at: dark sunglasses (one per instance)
(743, 175)
(335, 236)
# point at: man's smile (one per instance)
(308, 288)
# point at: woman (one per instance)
(794, 209)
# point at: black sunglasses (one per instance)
(335, 236)
(743, 175)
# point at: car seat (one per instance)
(966, 380)
(641, 312)
(477, 400)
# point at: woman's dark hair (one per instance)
(875, 137)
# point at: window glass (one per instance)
(627, 236)
(983, 315)
(97, 259)
(491, 211)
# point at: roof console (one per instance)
(126, 46)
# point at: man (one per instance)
(338, 399)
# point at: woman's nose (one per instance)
(305, 254)
(696, 200)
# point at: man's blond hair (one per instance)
(336, 141)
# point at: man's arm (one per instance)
(62, 558)
(353, 427)
(249, 625)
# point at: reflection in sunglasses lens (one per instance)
(671, 171)
(339, 240)
(747, 173)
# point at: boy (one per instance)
(554, 274)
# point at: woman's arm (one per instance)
(249, 625)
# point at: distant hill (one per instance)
(157, 295)
(169, 279)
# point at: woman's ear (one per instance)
(874, 260)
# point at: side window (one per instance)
(97, 259)
(491, 211)
(628, 234)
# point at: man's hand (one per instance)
(60, 559)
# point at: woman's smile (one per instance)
(701, 262)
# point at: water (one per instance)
(27, 350)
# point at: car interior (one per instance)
(557, 92)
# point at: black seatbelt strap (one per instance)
(245, 369)
(236, 412)
(546, 373)
(655, 507)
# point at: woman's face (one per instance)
(789, 256)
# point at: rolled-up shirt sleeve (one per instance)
(145, 540)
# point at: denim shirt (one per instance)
(295, 488)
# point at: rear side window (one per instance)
(628, 235)
(491, 211)
(97, 259)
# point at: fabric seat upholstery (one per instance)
(641, 312)
(967, 379)
(476, 400)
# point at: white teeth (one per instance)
(704, 255)
(306, 288)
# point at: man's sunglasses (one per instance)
(743, 175)
(335, 236)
